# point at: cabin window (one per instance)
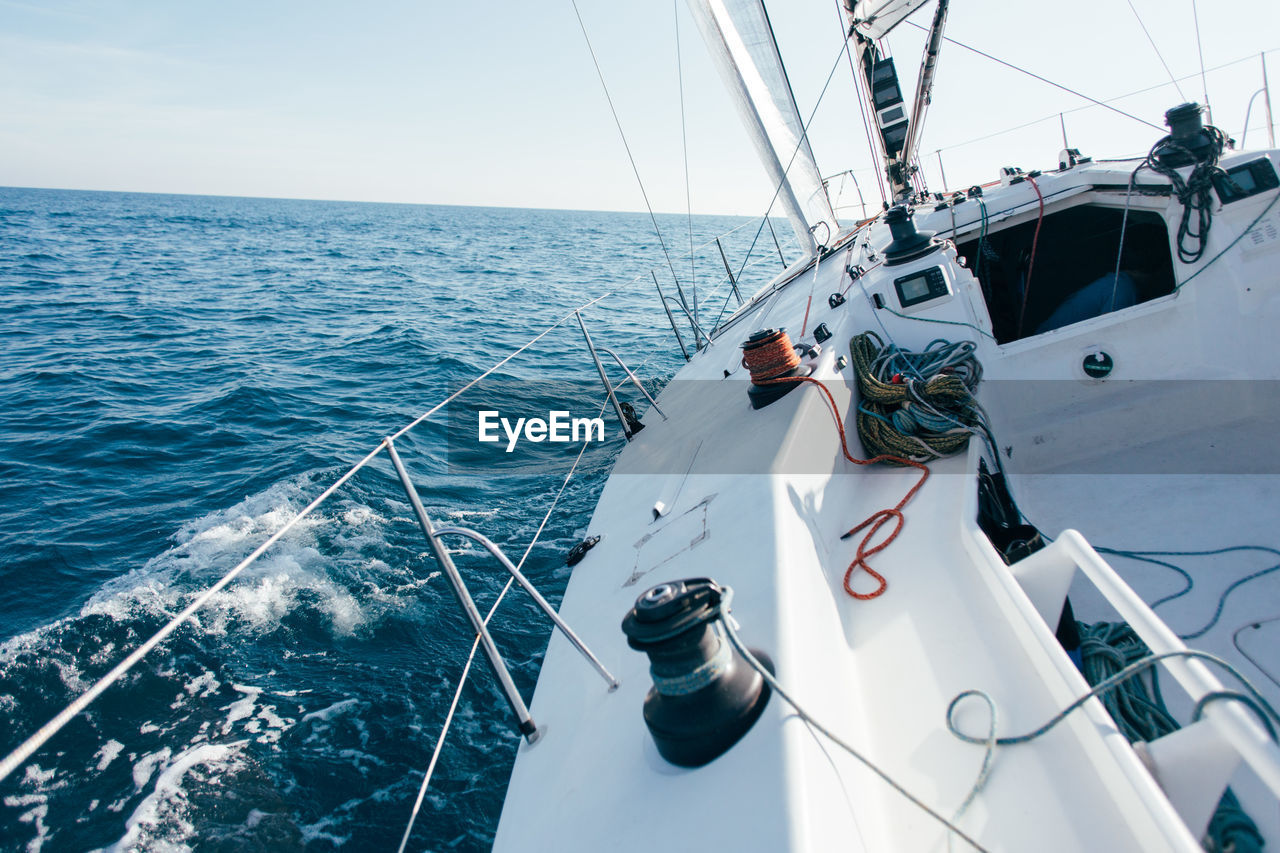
(1073, 278)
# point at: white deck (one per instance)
(761, 509)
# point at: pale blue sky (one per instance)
(498, 103)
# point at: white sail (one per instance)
(740, 41)
(874, 18)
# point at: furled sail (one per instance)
(741, 43)
(874, 18)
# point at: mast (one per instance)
(899, 130)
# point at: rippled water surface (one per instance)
(180, 375)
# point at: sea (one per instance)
(179, 376)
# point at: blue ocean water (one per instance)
(179, 376)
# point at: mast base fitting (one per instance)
(705, 695)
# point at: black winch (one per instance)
(705, 695)
(908, 243)
(774, 364)
(1188, 141)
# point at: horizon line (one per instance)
(641, 212)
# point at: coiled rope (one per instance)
(918, 406)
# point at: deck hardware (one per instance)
(821, 333)
(577, 552)
(524, 720)
(841, 363)
(835, 300)
(1188, 141)
(705, 696)
(1098, 365)
(770, 357)
(908, 243)
(634, 424)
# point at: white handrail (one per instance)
(1237, 726)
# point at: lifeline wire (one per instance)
(475, 644)
(731, 632)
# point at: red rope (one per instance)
(1031, 265)
(878, 519)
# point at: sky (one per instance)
(499, 104)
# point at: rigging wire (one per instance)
(475, 644)
(684, 147)
(1033, 122)
(1066, 89)
(634, 168)
(1195, 17)
(1159, 55)
(862, 107)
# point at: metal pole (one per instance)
(636, 382)
(942, 170)
(1062, 122)
(527, 726)
(683, 349)
(626, 430)
(1266, 102)
(733, 282)
(697, 330)
(775, 236)
(684, 303)
(537, 598)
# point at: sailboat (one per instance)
(819, 653)
(957, 534)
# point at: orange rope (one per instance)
(770, 357)
(878, 519)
